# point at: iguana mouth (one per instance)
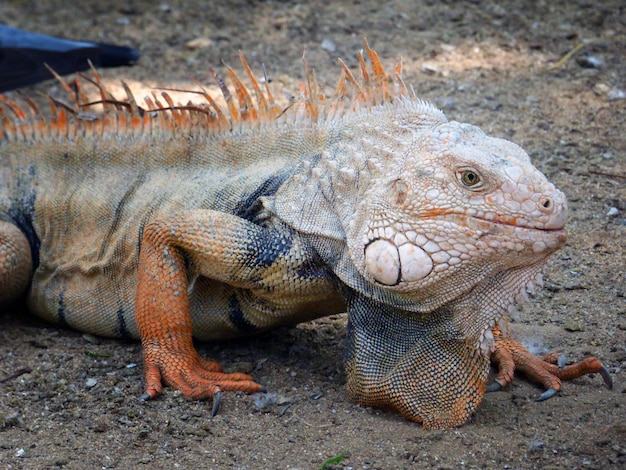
(510, 221)
(498, 219)
(487, 226)
(551, 224)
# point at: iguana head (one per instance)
(447, 206)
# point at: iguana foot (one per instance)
(549, 370)
(195, 378)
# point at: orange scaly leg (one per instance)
(164, 322)
(549, 370)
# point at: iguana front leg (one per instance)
(219, 246)
(510, 355)
(16, 263)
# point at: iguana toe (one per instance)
(200, 385)
(589, 365)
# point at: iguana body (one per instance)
(156, 224)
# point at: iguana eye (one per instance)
(470, 178)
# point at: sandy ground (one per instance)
(494, 64)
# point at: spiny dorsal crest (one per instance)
(256, 108)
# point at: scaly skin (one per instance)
(178, 222)
(14, 265)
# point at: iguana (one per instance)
(167, 222)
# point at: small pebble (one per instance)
(601, 88)
(429, 69)
(448, 103)
(91, 338)
(245, 366)
(613, 211)
(328, 45)
(615, 94)
(590, 62)
(264, 400)
(91, 383)
(573, 326)
(572, 286)
(12, 419)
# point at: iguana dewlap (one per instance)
(172, 221)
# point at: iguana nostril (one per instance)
(546, 204)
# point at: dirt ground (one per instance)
(496, 64)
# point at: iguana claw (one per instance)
(217, 399)
(493, 387)
(547, 394)
(606, 376)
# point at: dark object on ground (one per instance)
(23, 55)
